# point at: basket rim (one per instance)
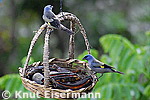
(67, 61)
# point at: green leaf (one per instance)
(129, 61)
(128, 44)
(12, 83)
(106, 44)
(126, 92)
(24, 59)
(103, 91)
(137, 93)
(108, 92)
(105, 58)
(4, 80)
(117, 92)
(123, 56)
(115, 52)
(147, 91)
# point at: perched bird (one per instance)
(99, 67)
(38, 78)
(53, 20)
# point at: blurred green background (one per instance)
(118, 32)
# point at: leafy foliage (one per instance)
(24, 59)
(13, 83)
(131, 59)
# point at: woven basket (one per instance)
(70, 64)
(40, 89)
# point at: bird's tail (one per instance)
(62, 27)
(119, 72)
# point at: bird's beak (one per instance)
(83, 58)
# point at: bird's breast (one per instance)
(47, 19)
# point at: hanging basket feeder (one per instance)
(76, 77)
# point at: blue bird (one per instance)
(98, 66)
(53, 21)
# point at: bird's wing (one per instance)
(108, 66)
(55, 23)
(49, 14)
(99, 64)
(96, 63)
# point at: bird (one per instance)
(98, 66)
(38, 78)
(53, 21)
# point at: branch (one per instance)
(71, 17)
(71, 43)
(46, 57)
(35, 38)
